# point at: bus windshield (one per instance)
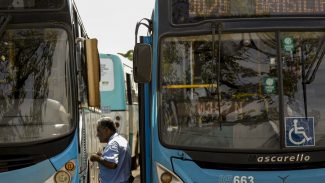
(14, 5)
(233, 99)
(34, 85)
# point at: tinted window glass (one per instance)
(34, 85)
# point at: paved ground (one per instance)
(137, 180)
(136, 174)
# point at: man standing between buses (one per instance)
(115, 160)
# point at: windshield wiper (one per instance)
(303, 73)
(309, 77)
(4, 21)
(312, 69)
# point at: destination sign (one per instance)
(186, 11)
(260, 7)
(307, 7)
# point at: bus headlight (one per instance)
(166, 176)
(70, 166)
(65, 174)
(62, 177)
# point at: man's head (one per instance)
(105, 129)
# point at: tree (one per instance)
(128, 55)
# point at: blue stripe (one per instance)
(153, 173)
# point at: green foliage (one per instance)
(128, 55)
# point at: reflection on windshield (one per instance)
(33, 92)
(299, 59)
(248, 117)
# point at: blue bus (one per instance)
(119, 98)
(232, 91)
(49, 86)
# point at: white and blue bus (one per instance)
(233, 91)
(119, 98)
(49, 91)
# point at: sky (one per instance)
(113, 22)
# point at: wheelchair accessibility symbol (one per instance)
(299, 131)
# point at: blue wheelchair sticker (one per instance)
(299, 131)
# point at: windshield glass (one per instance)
(34, 85)
(30, 4)
(301, 53)
(243, 113)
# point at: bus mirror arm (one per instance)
(142, 61)
(80, 40)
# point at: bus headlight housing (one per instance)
(66, 174)
(62, 177)
(166, 176)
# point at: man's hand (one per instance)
(94, 157)
(99, 159)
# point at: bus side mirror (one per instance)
(93, 72)
(142, 61)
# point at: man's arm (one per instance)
(102, 161)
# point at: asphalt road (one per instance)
(136, 174)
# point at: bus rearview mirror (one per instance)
(93, 72)
(142, 61)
